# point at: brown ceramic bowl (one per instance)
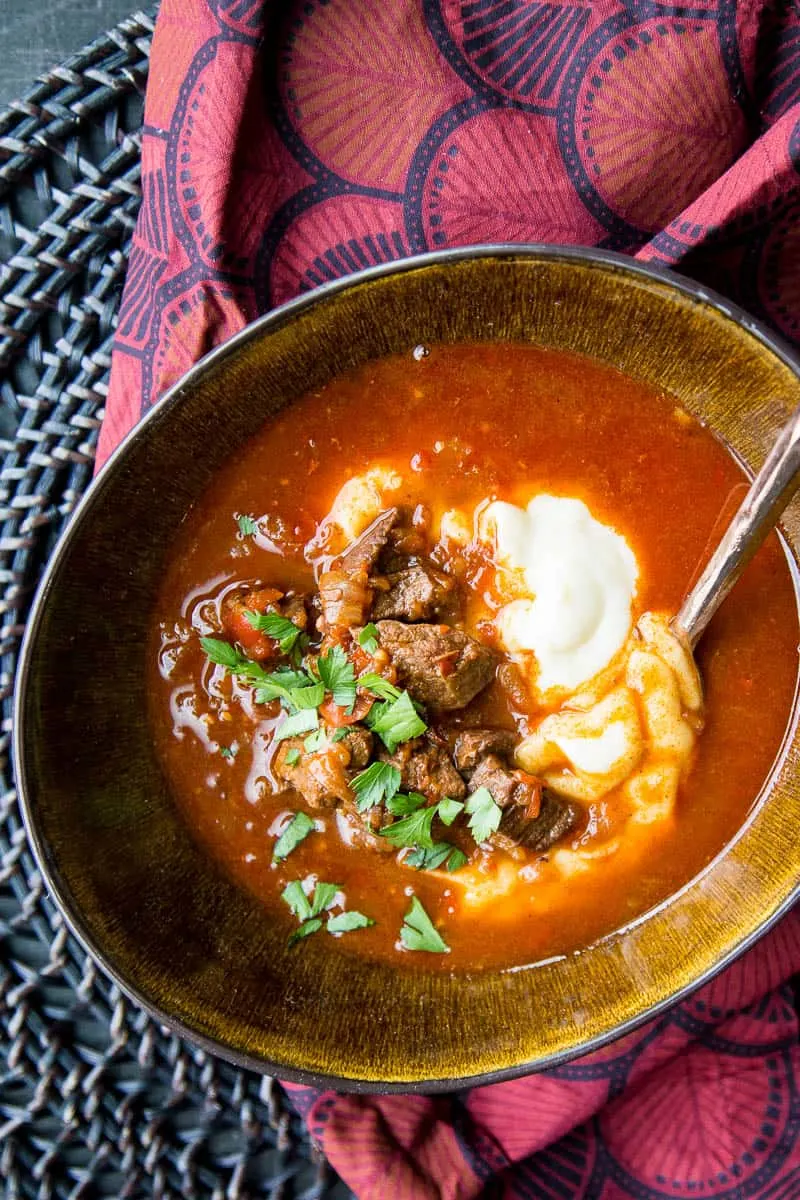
(153, 908)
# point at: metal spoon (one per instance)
(770, 492)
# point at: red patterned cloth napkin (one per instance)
(290, 143)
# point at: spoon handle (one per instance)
(770, 492)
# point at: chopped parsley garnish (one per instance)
(311, 926)
(396, 721)
(284, 684)
(402, 804)
(308, 910)
(485, 814)
(380, 687)
(229, 751)
(441, 853)
(280, 629)
(368, 638)
(295, 832)
(336, 672)
(295, 897)
(345, 922)
(294, 688)
(315, 741)
(413, 830)
(324, 896)
(456, 860)
(299, 722)
(308, 697)
(449, 810)
(247, 526)
(418, 931)
(377, 785)
(305, 908)
(223, 654)
(292, 757)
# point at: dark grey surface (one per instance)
(36, 35)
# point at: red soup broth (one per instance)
(460, 425)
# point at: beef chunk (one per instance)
(361, 829)
(513, 684)
(555, 818)
(345, 598)
(345, 594)
(473, 744)
(492, 774)
(416, 592)
(507, 787)
(321, 777)
(358, 742)
(438, 665)
(362, 554)
(426, 767)
(294, 609)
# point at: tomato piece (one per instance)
(256, 645)
(360, 659)
(337, 716)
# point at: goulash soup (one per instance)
(414, 681)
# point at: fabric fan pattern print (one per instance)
(290, 143)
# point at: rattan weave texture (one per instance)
(95, 1099)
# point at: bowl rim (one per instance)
(652, 271)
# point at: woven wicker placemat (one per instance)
(95, 1099)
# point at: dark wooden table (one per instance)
(36, 35)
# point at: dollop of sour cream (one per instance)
(576, 579)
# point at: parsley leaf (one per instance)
(306, 910)
(368, 638)
(287, 679)
(295, 832)
(428, 860)
(442, 852)
(457, 860)
(308, 927)
(418, 931)
(336, 672)
(324, 895)
(401, 805)
(292, 757)
(347, 921)
(279, 628)
(300, 722)
(315, 741)
(376, 785)
(223, 654)
(485, 814)
(449, 810)
(283, 685)
(372, 682)
(295, 897)
(247, 526)
(396, 722)
(295, 689)
(413, 830)
(340, 733)
(229, 751)
(308, 697)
